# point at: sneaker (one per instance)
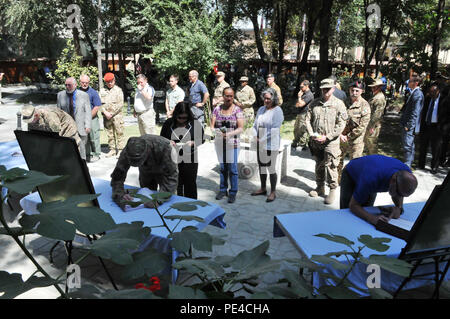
(331, 197)
(319, 191)
(110, 154)
(231, 198)
(220, 195)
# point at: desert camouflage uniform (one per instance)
(159, 168)
(377, 105)
(112, 101)
(218, 92)
(358, 119)
(329, 119)
(53, 119)
(246, 96)
(277, 88)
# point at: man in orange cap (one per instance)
(112, 104)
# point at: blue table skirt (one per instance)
(301, 228)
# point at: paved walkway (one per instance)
(249, 220)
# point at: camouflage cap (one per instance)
(28, 113)
(243, 79)
(327, 84)
(220, 73)
(357, 84)
(377, 82)
(136, 151)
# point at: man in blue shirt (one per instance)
(198, 96)
(366, 176)
(93, 148)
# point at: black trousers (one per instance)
(347, 189)
(187, 180)
(430, 135)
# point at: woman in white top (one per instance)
(267, 126)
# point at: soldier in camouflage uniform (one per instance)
(377, 105)
(245, 98)
(111, 109)
(270, 80)
(352, 138)
(157, 163)
(325, 121)
(51, 119)
(218, 92)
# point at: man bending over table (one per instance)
(153, 155)
(366, 176)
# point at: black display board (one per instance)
(49, 153)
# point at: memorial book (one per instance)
(399, 227)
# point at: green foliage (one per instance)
(190, 40)
(70, 64)
(216, 277)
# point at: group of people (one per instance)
(332, 126)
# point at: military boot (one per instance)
(331, 197)
(319, 191)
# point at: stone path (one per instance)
(249, 220)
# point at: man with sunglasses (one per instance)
(364, 177)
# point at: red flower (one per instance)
(155, 285)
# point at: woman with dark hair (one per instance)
(185, 134)
(227, 121)
(267, 125)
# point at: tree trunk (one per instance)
(325, 19)
(259, 44)
(99, 46)
(89, 41)
(303, 66)
(281, 18)
(437, 39)
(76, 41)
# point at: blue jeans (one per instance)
(230, 170)
(408, 146)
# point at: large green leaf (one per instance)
(189, 206)
(248, 259)
(375, 243)
(302, 288)
(52, 225)
(12, 285)
(149, 263)
(116, 249)
(60, 219)
(337, 239)
(182, 241)
(162, 196)
(328, 260)
(261, 268)
(179, 292)
(394, 265)
(210, 268)
(378, 293)
(23, 182)
(131, 231)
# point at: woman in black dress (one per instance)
(185, 134)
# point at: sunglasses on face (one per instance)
(182, 117)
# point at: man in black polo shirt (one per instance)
(305, 97)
